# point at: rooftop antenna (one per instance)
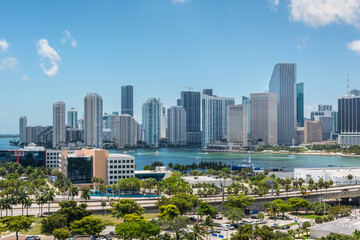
(348, 85)
(190, 88)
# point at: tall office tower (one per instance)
(324, 115)
(300, 104)
(93, 120)
(32, 133)
(246, 101)
(355, 92)
(283, 83)
(264, 124)
(72, 118)
(349, 120)
(140, 132)
(109, 122)
(179, 102)
(176, 126)
(151, 121)
(59, 126)
(127, 100)
(22, 129)
(312, 131)
(237, 127)
(214, 118)
(334, 123)
(208, 92)
(80, 124)
(324, 107)
(192, 105)
(163, 123)
(125, 131)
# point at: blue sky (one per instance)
(60, 50)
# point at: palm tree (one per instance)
(198, 233)
(74, 191)
(103, 205)
(41, 200)
(85, 194)
(21, 198)
(209, 223)
(50, 197)
(273, 210)
(27, 204)
(350, 177)
(95, 180)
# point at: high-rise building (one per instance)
(264, 118)
(334, 128)
(324, 107)
(176, 126)
(237, 125)
(355, 92)
(72, 118)
(349, 120)
(246, 101)
(125, 131)
(312, 131)
(300, 104)
(283, 83)
(59, 126)
(208, 92)
(214, 111)
(80, 124)
(151, 121)
(93, 120)
(109, 122)
(192, 105)
(22, 129)
(32, 133)
(127, 100)
(163, 123)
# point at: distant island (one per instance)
(9, 135)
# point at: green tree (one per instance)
(72, 211)
(52, 222)
(206, 209)
(260, 216)
(87, 226)
(142, 230)
(50, 197)
(306, 226)
(133, 217)
(234, 214)
(17, 224)
(240, 201)
(298, 203)
(73, 191)
(168, 211)
(245, 232)
(178, 223)
(209, 223)
(85, 194)
(340, 211)
(126, 206)
(198, 232)
(184, 202)
(41, 200)
(61, 233)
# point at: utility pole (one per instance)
(197, 158)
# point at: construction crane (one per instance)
(190, 88)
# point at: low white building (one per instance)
(119, 166)
(194, 180)
(345, 226)
(339, 175)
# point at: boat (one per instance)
(157, 153)
(245, 164)
(291, 156)
(14, 142)
(125, 152)
(330, 165)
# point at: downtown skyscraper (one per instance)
(22, 129)
(151, 121)
(300, 104)
(127, 100)
(93, 120)
(349, 120)
(72, 118)
(191, 101)
(283, 83)
(59, 127)
(176, 126)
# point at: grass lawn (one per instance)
(290, 224)
(309, 216)
(114, 220)
(36, 228)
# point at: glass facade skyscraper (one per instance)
(127, 100)
(246, 101)
(214, 112)
(72, 118)
(59, 126)
(283, 83)
(192, 105)
(349, 120)
(300, 104)
(151, 121)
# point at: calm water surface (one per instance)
(263, 160)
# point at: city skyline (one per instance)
(201, 44)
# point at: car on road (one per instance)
(218, 216)
(285, 227)
(217, 230)
(256, 222)
(32, 237)
(228, 226)
(112, 233)
(244, 222)
(345, 190)
(254, 216)
(275, 225)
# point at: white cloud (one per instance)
(180, 1)
(302, 43)
(46, 51)
(4, 45)
(68, 37)
(25, 77)
(355, 46)
(8, 63)
(274, 4)
(317, 13)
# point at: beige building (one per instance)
(312, 131)
(125, 131)
(263, 117)
(237, 120)
(299, 135)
